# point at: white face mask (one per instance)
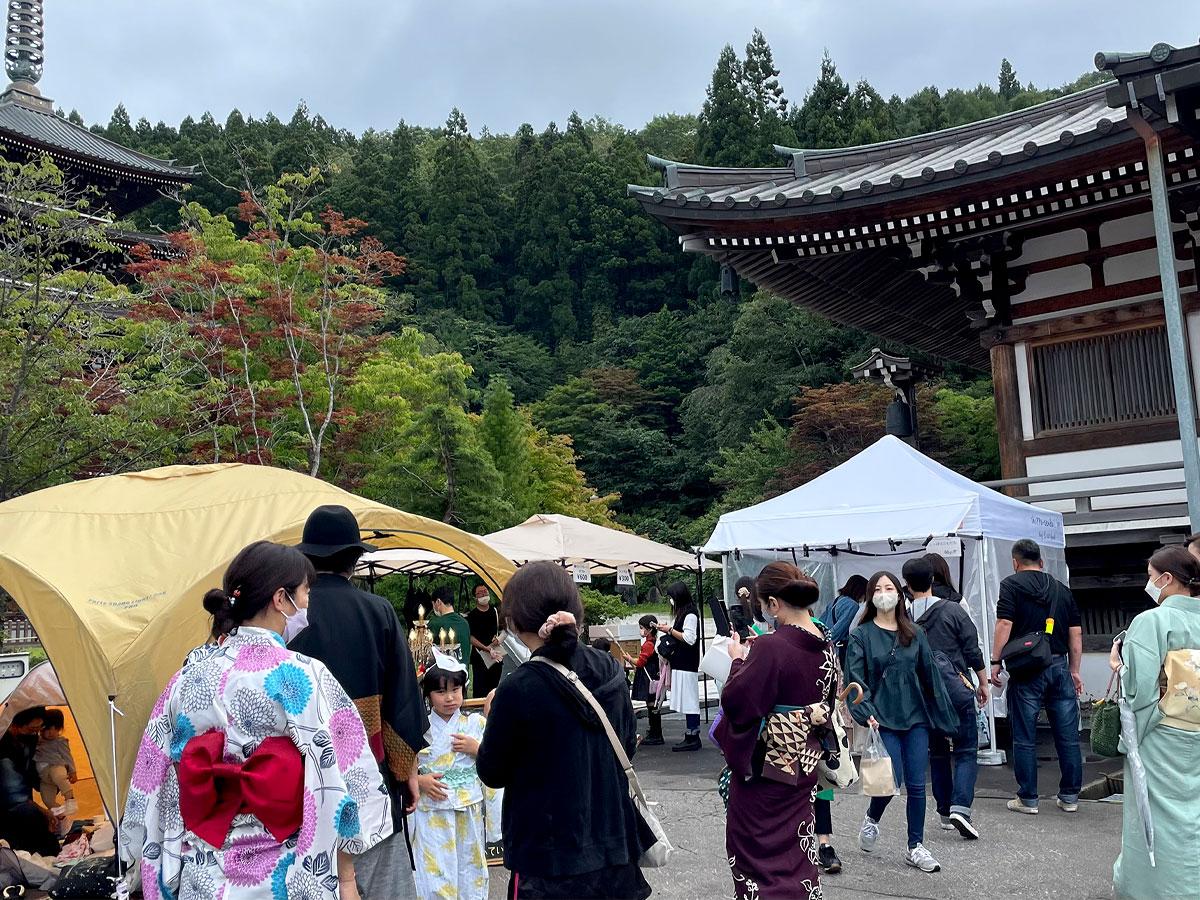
(1154, 590)
(296, 622)
(484, 600)
(887, 602)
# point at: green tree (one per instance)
(822, 120)
(84, 390)
(1010, 86)
(725, 131)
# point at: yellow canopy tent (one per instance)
(111, 573)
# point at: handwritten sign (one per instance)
(949, 547)
(582, 573)
(624, 575)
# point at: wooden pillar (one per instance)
(1008, 416)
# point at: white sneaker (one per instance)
(1018, 805)
(947, 825)
(920, 858)
(868, 834)
(1067, 807)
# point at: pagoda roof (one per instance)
(815, 181)
(30, 127)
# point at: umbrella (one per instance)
(1137, 771)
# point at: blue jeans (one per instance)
(955, 792)
(909, 751)
(1054, 690)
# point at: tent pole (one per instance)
(700, 609)
(113, 712)
(994, 756)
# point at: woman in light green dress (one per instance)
(1164, 642)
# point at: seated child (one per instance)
(55, 766)
(448, 836)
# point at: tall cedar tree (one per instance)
(823, 120)
(725, 133)
(1009, 85)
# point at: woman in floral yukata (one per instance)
(254, 778)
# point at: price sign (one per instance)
(625, 575)
(582, 573)
(949, 547)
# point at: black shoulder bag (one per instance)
(1028, 656)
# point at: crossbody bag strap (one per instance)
(618, 749)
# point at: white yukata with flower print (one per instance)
(449, 835)
(252, 688)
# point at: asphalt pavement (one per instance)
(1051, 855)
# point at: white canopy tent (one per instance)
(563, 539)
(884, 505)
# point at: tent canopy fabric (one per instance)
(574, 541)
(111, 572)
(551, 537)
(889, 491)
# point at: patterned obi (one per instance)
(791, 743)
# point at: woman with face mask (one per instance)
(255, 776)
(778, 698)
(1158, 659)
(905, 698)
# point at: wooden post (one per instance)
(1008, 416)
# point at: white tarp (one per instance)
(889, 491)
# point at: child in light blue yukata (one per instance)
(449, 832)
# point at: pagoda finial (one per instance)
(24, 43)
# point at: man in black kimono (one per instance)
(358, 636)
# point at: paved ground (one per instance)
(1052, 855)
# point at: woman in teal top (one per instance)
(1164, 642)
(905, 698)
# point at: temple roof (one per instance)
(26, 127)
(875, 173)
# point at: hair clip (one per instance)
(237, 592)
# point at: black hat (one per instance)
(330, 530)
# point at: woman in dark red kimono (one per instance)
(789, 680)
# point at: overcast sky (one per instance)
(367, 64)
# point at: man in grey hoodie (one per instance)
(1030, 602)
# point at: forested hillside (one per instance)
(537, 301)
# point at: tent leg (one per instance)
(700, 607)
(113, 712)
(993, 756)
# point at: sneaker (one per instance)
(829, 860)
(868, 834)
(1016, 804)
(920, 858)
(1067, 807)
(964, 826)
(947, 825)
(72, 806)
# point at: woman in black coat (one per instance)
(570, 828)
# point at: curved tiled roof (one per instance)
(988, 148)
(38, 129)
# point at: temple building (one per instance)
(1024, 245)
(29, 127)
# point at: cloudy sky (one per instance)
(370, 63)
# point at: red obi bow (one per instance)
(268, 785)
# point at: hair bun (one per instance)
(217, 601)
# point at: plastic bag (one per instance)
(875, 768)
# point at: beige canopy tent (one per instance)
(111, 573)
(547, 536)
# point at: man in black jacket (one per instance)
(1032, 602)
(358, 636)
(951, 632)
